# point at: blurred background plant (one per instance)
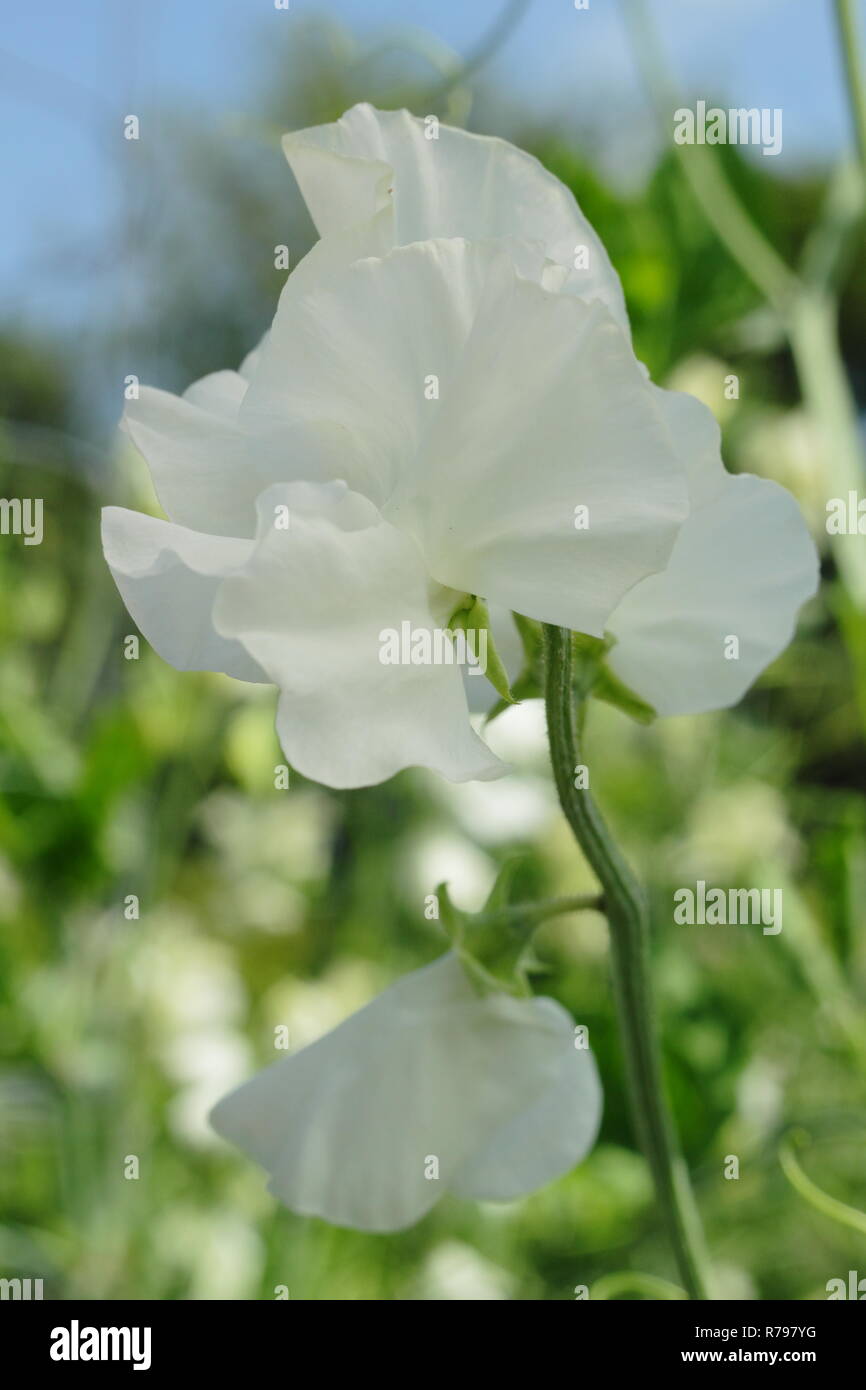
(263, 908)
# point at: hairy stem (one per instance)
(625, 907)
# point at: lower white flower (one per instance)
(430, 1088)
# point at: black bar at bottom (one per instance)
(150, 1339)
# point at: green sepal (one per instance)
(532, 964)
(532, 638)
(591, 673)
(473, 616)
(613, 691)
(593, 676)
(493, 945)
(528, 685)
(451, 919)
(524, 687)
(502, 893)
(587, 658)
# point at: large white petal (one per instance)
(457, 185)
(697, 440)
(347, 1126)
(168, 577)
(207, 467)
(310, 606)
(548, 1137)
(219, 393)
(196, 453)
(742, 566)
(541, 407)
(372, 236)
(549, 411)
(353, 354)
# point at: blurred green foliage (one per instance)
(261, 907)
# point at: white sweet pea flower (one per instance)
(430, 1088)
(324, 495)
(743, 563)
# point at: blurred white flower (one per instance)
(430, 1088)
(733, 1284)
(705, 377)
(500, 812)
(206, 1055)
(761, 1096)
(735, 830)
(266, 850)
(441, 857)
(219, 1251)
(521, 806)
(519, 736)
(788, 446)
(454, 1270)
(203, 1063)
(310, 1008)
(187, 981)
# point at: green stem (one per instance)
(755, 255)
(631, 1281)
(849, 42)
(626, 911)
(533, 914)
(814, 1195)
(499, 32)
(814, 339)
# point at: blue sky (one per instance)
(68, 72)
